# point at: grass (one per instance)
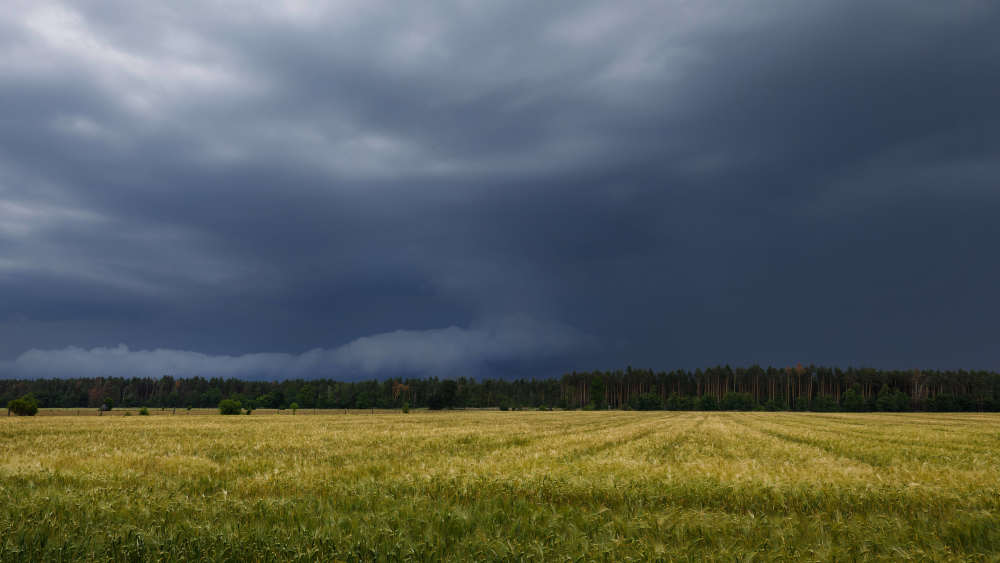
(489, 485)
(179, 411)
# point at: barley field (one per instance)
(490, 485)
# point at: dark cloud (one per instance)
(456, 352)
(684, 183)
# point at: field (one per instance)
(133, 411)
(490, 485)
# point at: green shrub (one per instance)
(229, 406)
(406, 408)
(294, 407)
(144, 411)
(823, 403)
(646, 402)
(436, 402)
(707, 403)
(25, 406)
(853, 401)
(902, 402)
(738, 402)
(892, 401)
(677, 402)
(944, 402)
(774, 405)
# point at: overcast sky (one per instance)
(359, 189)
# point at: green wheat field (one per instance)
(490, 485)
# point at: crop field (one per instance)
(490, 485)
(134, 411)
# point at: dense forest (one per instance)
(719, 388)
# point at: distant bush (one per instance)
(707, 403)
(435, 402)
(892, 401)
(229, 406)
(406, 408)
(445, 396)
(363, 401)
(950, 403)
(852, 400)
(294, 407)
(677, 402)
(144, 411)
(25, 406)
(737, 402)
(823, 403)
(646, 402)
(800, 404)
(774, 405)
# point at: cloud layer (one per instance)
(447, 352)
(689, 183)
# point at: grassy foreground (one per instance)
(491, 485)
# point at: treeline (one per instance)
(795, 388)
(802, 388)
(175, 392)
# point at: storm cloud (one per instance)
(361, 189)
(447, 352)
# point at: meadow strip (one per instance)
(490, 485)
